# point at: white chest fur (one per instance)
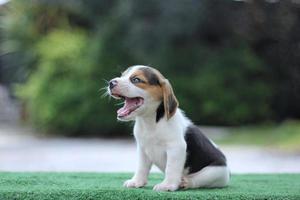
(155, 139)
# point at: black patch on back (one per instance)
(200, 151)
(150, 76)
(160, 112)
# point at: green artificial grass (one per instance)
(109, 186)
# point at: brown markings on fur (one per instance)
(154, 90)
(159, 89)
(170, 100)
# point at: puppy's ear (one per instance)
(169, 99)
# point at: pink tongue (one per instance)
(130, 105)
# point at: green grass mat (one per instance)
(109, 186)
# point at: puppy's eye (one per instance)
(136, 80)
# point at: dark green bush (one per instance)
(225, 71)
(63, 92)
(229, 88)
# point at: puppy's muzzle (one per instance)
(113, 83)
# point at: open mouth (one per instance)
(130, 105)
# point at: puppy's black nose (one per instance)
(112, 84)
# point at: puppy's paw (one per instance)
(133, 183)
(165, 187)
(184, 183)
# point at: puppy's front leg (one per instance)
(174, 169)
(141, 175)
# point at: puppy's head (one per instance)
(145, 91)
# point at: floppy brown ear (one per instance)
(169, 99)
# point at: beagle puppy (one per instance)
(164, 136)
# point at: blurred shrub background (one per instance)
(230, 62)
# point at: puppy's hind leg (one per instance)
(208, 177)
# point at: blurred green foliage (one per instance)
(226, 65)
(283, 136)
